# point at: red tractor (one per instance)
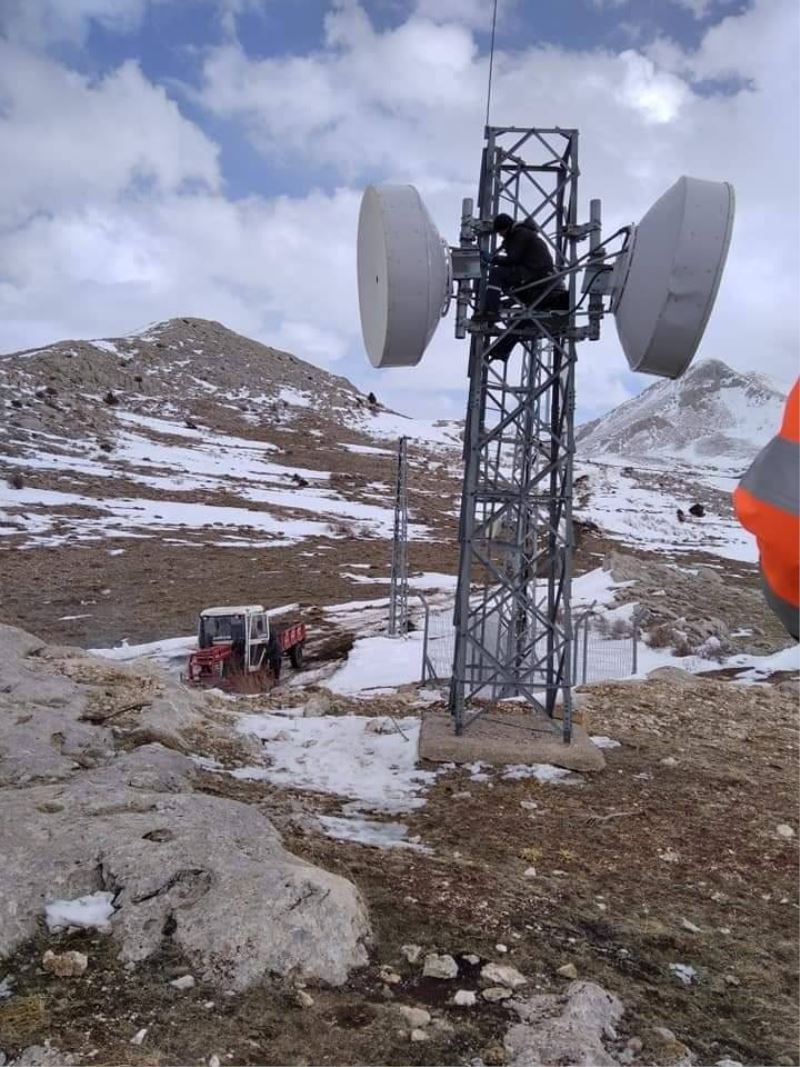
(238, 648)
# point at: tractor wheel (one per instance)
(296, 655)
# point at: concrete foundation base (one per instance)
(501, 737)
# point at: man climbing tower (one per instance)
(523, 259)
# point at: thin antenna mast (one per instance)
(491, 64)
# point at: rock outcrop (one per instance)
(99, 793)
(565, 1029)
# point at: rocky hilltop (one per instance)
(207, 466)
(712, 416)
(183, 366)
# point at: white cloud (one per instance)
(476, 14)
(230, 10)
(700, 9)
(658, 95)
(67, 140)
(40, 23)
(368, 102)
(120, 217)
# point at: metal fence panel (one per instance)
(598, 657)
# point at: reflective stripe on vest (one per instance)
(789, 614)
(774, 475)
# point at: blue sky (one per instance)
(168, 39)
(206, 157)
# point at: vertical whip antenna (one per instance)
(491, 64)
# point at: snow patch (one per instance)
(379, 662)
(106, 346)
(294, 397)
(542, 772)
(684, 972)
(365, 450)
(381, 835)
(171, 653)
(339, 756)
(90, 912)
(601, 741)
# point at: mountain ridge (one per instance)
(712, 416)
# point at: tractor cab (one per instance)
(244, 629)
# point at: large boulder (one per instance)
(209, 873)
(63, 711)
(41, 732)
(91, 806)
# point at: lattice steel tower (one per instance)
(659, 281)
(512, 613)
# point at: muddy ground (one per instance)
(154, 591)
(624, 861)
(81, 595)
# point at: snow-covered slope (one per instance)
(713, 416)
(678, 444)
(189, 431)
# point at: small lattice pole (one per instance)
(398, 595)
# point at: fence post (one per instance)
(427, 666)
(576, 636)
(635, 640)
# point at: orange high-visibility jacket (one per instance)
(767, 503)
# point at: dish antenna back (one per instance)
(403, 275)
(669, 275)
(662, 290)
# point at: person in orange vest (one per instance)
(767, 503)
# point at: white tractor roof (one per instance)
(241, 609)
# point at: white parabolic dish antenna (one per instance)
(666, 283)
(403, 275)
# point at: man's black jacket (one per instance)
(524, 248)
